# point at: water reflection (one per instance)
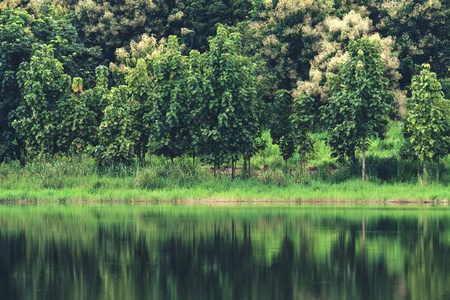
(196, 252)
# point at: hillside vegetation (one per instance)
(165, 93)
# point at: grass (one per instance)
(68, 178)
(238, 190)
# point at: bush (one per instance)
(383, 168)
(276, 177)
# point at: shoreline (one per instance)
(230, 201)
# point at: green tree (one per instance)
(21, 27)
(107, 25)
(45, 88)
(360, 103)
(201, 17)
(78, 126)
(140, 89)
(427, 124)
(230, 117)
(169, 133)
(291, 122)
(117, 131)
(16, 39)
(198, 92)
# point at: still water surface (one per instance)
(136, 251)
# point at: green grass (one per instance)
(238, 190)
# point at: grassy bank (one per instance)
(80, 178)
(239, 190)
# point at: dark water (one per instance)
(237, 252)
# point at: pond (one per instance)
(170, 251)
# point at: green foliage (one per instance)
(421, 28)
(427, 123)
(229, 122)
(360, 105)
(140, 88)
(15, 44)
(108, 25)
(79, 124)
(45, 88)
(168, 118)
(291, 122)
(117, 132)
(202, 17)
(198, 91)
(21, 28)
(427, 126)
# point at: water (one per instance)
(231, 252)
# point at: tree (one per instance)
(117, 131)
(291, 121)
(20, 28)
(230, 117)
(421, 28)
(140, 88)
(44, 87)
(201, 17)
(360, 103)
(167, 119)
(78, 127)
(333, 36)
(427, 124)
(15, 45)
(198, 92)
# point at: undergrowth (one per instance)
(383, 166)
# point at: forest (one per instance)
(122, 81)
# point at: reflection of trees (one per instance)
(428, 270)
(209, 267)
(259, 257)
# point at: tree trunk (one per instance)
(437, 172)
(363, 159)
(244, 168)
(424, 172)
(232, 167)
(143, 156)
(249, 168)
(418, 169)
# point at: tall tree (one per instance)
(16, 39)
(21, 27)
(198, 92)
(230, 117)
(291, 121)
(45, 87)
(140, 89)
(427, 124)
(360, 103)
(169, 132)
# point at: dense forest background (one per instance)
(121, 79)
